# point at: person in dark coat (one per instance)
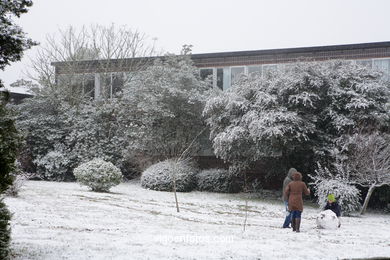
(294, 192)
(286, 181)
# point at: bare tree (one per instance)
(369, 161)
(70, 60)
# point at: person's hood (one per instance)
(290, 172)
(297, 176)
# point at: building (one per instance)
(17, 94)
(102, 78)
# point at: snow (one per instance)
(18, 90)
(55, 220)
(327, 219)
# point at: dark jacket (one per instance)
(294, 192)
(335, 207)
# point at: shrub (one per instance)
(5, 230)
(54, 166)
(98, 175)
(217, 180)
(325, 183)
(159, 176)
(19, 178)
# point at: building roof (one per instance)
(237, 58)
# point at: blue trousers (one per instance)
(296, 214)
(287, 220)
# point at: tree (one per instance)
(78, 53)
(46, 121)
(13, 40)
(13, 43)
(368, 158)
(63, 120)
(300, 110)
(165, 103)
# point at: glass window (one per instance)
(220, 78)
(113, 83)
(89, 85)
(269, 68)
(366, 63)
(236, 72)
(382, 65)
(254, 70)
(117, 83)
(206, 73)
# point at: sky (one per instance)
(214, 25)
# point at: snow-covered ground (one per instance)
(66, 221)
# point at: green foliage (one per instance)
(165, 102)
(5, 230)
(13, 40)
(217, 180)
(302, 109)
(98, 175)
(9, 143)
(161, 176)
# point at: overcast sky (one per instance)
(216, 25)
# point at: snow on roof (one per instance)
(18, 90)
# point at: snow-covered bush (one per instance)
(5, 230)
(326, 183)
(327, 219)
(98, 175)
(19, 178)
(160, 176)
(46, 120)
(54, 165)
(217, 180)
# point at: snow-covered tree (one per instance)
(46, 120)
(165, 102)
(108, 46)
(301, 109)
(99, 130)
(368, 158)
(13, 40)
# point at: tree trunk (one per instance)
(174, 186)
(367, 199)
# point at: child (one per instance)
(333, 206)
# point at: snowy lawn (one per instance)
(65, 221)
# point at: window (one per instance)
(206, 73)
(236, 72)
(220, 78)
(113, 83)
(366, 63)
(382, 65)
(269, 68)
(88, 85)
(254, 70)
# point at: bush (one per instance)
(54, 166)
(217, 180)
(159, 176)
(325, 183)
(98, 175)
(5, 230)
(19, 178)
